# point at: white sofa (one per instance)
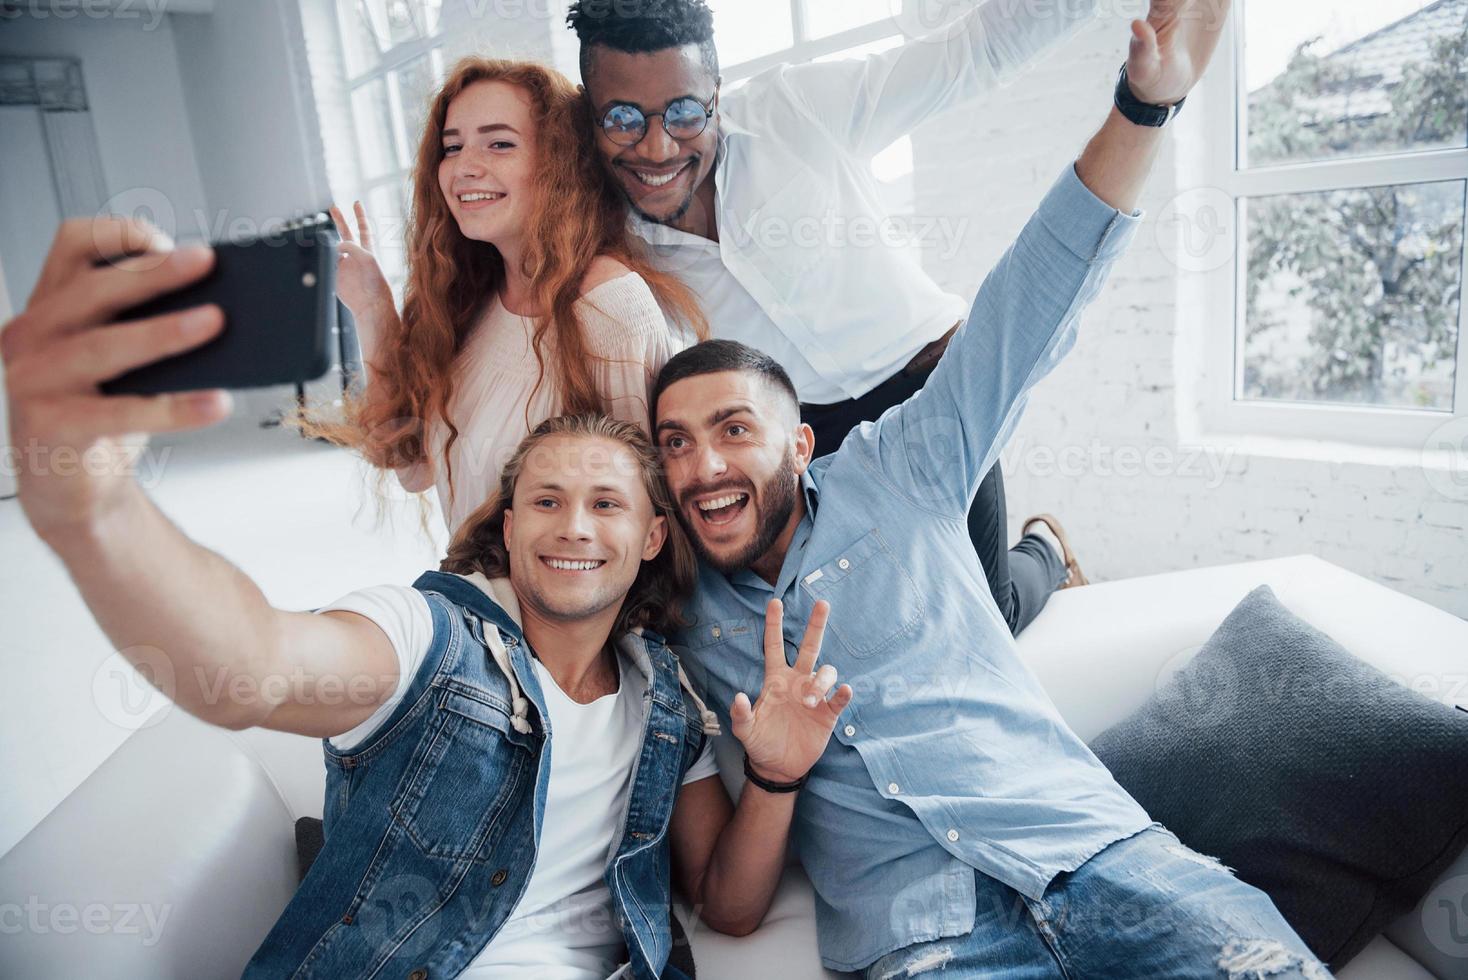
(175, 857)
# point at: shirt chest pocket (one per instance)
(469, 766)
(874, 601)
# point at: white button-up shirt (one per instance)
(808, 268)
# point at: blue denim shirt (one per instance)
(432, 824)
(951, 757)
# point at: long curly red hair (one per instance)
(577, 215)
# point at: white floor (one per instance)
(300, 518)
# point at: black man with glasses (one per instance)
(762, 199)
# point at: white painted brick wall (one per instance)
(990, 164)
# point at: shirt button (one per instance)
(850, 730)
(717, 632)
(498, 878)
(953, 837)
(418, 974)
(843, 564)
(893, 788)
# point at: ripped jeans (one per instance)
(1145, 906)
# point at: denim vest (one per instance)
(432, 823)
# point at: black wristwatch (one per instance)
(1139, 112)
(770, 787)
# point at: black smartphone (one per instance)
(278, 294)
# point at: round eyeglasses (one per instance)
(683, 119)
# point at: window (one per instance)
(392, 61)
(757, 34)
(1343, 152)
(753, 35)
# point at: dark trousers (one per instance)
(1021, 578)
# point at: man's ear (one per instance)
(509, 521)
(805, 447)
(657, 535)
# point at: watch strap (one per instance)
(1139, 112)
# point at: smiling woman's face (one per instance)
(487, 171)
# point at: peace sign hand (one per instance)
(787, 728)
(360, 283)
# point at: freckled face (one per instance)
(487, 173)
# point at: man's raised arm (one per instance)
(937, 446)
(870, 102)
(151, 589)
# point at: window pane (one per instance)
(392, 21)
(1354, 78)
(428, 11)
(416, 82)
(746, 29)
(826, 17)
(359, 44)
(1353, 296)
(374, 129)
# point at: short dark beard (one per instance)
(777, 502)
(671, 219)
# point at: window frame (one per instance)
(400, 177)
(806, 48)
(1224, 90)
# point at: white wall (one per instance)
(1126, 388)
(27, 198)
(135, 94)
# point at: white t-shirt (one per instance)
(564, 927)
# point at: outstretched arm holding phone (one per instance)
(148, 585)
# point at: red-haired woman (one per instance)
(525, 299)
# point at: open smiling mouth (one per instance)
(573, 564)
(656, 181)
(721, 510)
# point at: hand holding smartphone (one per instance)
(278, 294)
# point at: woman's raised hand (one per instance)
(360, 283)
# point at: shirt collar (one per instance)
(812, 493)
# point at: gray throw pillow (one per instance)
(1316, 777)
